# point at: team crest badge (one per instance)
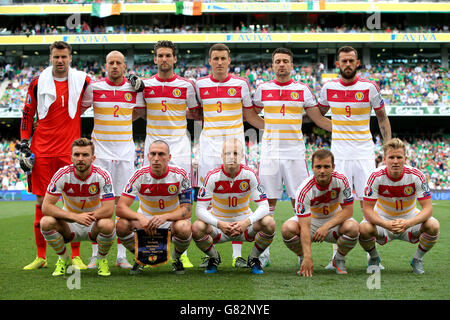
(93, 189)
(333, 194)
(176, 92)
(231, 92)
(243, 185)
(359, 96)
(408, 190)
(128, 96)
(294, 95)
(173, 189)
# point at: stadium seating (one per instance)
(422, 85)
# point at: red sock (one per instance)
(75, 249)
(41, 244)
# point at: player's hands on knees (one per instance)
(239, 227)
(399, 225)
(226, 227)
(320, 234)
(306, 268)
(155, 221)
(85, 218)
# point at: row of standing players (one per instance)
(221, 101)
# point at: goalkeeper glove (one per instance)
(26, 157)
(136, 82)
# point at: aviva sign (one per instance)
(414, 37)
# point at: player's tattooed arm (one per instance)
(384, 124)
(186, 211)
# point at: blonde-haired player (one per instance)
(228, 189)
(390, 208)
(116, 105)
(352, 100)
(226, 101)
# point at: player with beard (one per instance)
(351, 100)
(87, 209)
(283, 161)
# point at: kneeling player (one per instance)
(88, 199)
(324, 210)
(228, 189)
(390, 210)
(165, 201)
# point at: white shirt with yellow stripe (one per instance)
(322, 203)
(230, 197)
(158, 195)
(351, 106)
(222, 103)
(167, 102)
(113, 112)
(81, 195)
(284, 105)
(396, 198)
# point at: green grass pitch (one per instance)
(280, 281)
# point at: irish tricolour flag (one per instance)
(102, 9)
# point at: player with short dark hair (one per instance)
(226, 101)
(55, 97)
(88, 206)
(282, 160)
(170, 100)
(351, 100)
(324, 210)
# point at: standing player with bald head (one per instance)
(115, 105)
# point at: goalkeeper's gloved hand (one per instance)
(136, 82)
(26, 157)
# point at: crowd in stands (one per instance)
(39, 26)
(406, 86)
(427, 154)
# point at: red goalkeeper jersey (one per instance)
(55, 133)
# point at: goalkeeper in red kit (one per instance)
(55, 97)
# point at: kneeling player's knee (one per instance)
(122, 227)
(352, 229)
(106, 225)
(182, 228)
(366, 230)
(431, 226)
(48, 223)
(288, 229)
(198, 229)
(268, 224)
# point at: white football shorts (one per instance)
(274, 172)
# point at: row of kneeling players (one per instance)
(323, 209)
